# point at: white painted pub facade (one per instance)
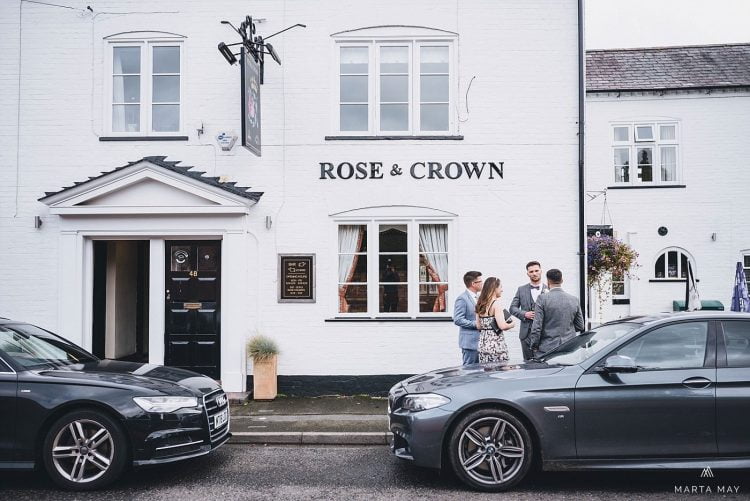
(403, 144)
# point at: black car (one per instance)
(86, 419)
(661, 391)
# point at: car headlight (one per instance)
(423, 401)
(165, 404)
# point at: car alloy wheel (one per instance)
(84, 450)
(491, 450)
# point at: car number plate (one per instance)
(221, 418)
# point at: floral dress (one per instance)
(492, 347)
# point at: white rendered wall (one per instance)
(521, 109)
(713, 130)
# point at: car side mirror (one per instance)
(618, 364)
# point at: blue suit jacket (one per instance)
(464, 316)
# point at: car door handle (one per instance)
(697, 382)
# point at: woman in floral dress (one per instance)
(491, 323)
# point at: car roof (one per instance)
(683, 315)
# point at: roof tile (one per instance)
(691, 67)
(180, 169)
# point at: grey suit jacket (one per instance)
(522, 302)
(557, 317)
(464, 315)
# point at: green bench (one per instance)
(708, 304)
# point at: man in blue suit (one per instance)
(464, 315)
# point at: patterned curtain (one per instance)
(350, 241)
(433, 242)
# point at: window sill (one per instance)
(143, 138)
(393, 138)
(671, 280)
(389, 319)
(645, 187)
(620, 301)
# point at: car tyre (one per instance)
(491, 450)
(84, 450)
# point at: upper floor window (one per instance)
(388, 267)
(672, 263)
(746, 264)
(395, 86)
(645, 153)
(146, 87)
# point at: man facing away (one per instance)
(557, 317)
(464, 316)
(523, 303)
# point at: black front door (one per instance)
(192, 320)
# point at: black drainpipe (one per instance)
(581, 152)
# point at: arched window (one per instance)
(394, 261)
(396, 81)
(672, 263)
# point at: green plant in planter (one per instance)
(261, 348)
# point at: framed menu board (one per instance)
(296, 278)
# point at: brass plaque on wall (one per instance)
(192, 306)
(296, 278)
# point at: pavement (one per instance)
(334, 420)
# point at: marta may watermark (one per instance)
(707, 486)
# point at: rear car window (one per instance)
(4, 367)
(737, 341)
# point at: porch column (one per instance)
(70, 288)
(156, 302)
(234, 308)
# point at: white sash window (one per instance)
(145, 87)
(393, 267)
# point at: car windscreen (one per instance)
(589, 343)
(34, 348)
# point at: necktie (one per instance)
(534, 287)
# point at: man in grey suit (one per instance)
(523, 302)
(557, 317)
(464, 315)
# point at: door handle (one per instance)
(697, 382)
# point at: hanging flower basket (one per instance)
(608, 257)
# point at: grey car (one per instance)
(660, 391)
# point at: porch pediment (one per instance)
(151, 186)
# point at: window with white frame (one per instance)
(393, 268)
(645, 153)
(146, 87)
(746, 265)
(672, 263)
(399, 87)
(619, 287)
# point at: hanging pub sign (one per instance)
(250, 102)
(296, 278)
